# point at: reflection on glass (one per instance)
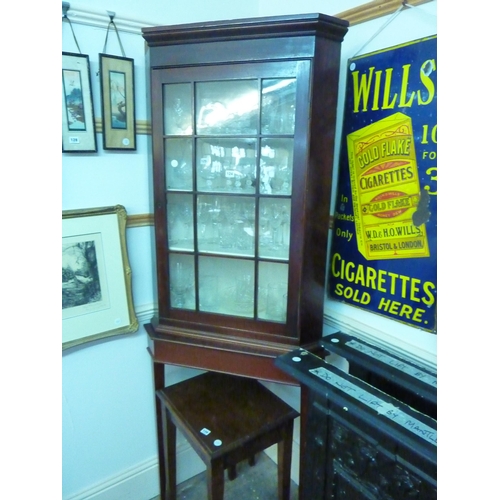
(274, 228)
(209, 293)
(276, 165)
(227, 107)
(276, 301)
(180, 221)
(273, 291)
(226, 165)
(181, 279)
(178, 163)
(226, 224)
(235, 286)
(177, 109)
(278, 106)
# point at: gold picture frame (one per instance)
(117, 98)
(78, 127)
(96, 276)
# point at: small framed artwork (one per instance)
(96, 276)
(117, 97)
(78, 127)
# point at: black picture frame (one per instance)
(78, 125)
(118, 102)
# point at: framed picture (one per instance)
(117, 96)
(78, 127)
(96, 276)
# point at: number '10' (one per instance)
(426, 133)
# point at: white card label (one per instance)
(383, 408)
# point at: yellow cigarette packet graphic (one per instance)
(386, 190)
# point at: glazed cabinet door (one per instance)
(230, 155)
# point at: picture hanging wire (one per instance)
(65, 8)
(111, 22)
(382, 28)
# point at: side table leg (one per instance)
(159, 383)
(170, 456)
(285, 461)
(215, 480)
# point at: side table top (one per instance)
(225, 410)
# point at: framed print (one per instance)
(78, 127)
(96, 276)
(117, 97)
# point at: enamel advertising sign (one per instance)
(385, 228)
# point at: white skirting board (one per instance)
(137, 483)
(141, 482)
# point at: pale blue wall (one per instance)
(108, 425)
(107, 388)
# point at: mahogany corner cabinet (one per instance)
(243, 122)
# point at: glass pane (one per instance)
(226, 224)
(273, 291)
(276, 165)
(227, 107)
(226, 165)
(178, 109)
(227, 286)
(181, 279)
(274, 228)
(179, 164)
(180, 221)
(278, 106)
(209, 296)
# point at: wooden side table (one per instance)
(226, 419)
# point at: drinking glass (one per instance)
(181, 285)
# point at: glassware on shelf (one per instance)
(226, 224)
(278, 106)
(274, 228)
(178, 164)
(227, 107)
(273, 291)
(180, 221)
(234, 280)
(178, 118)
(208, 213)
(182, 282)
(276, 160)
(243, 299)
(245, 234)
(232, 193)
(226, 165)
(209, 297)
